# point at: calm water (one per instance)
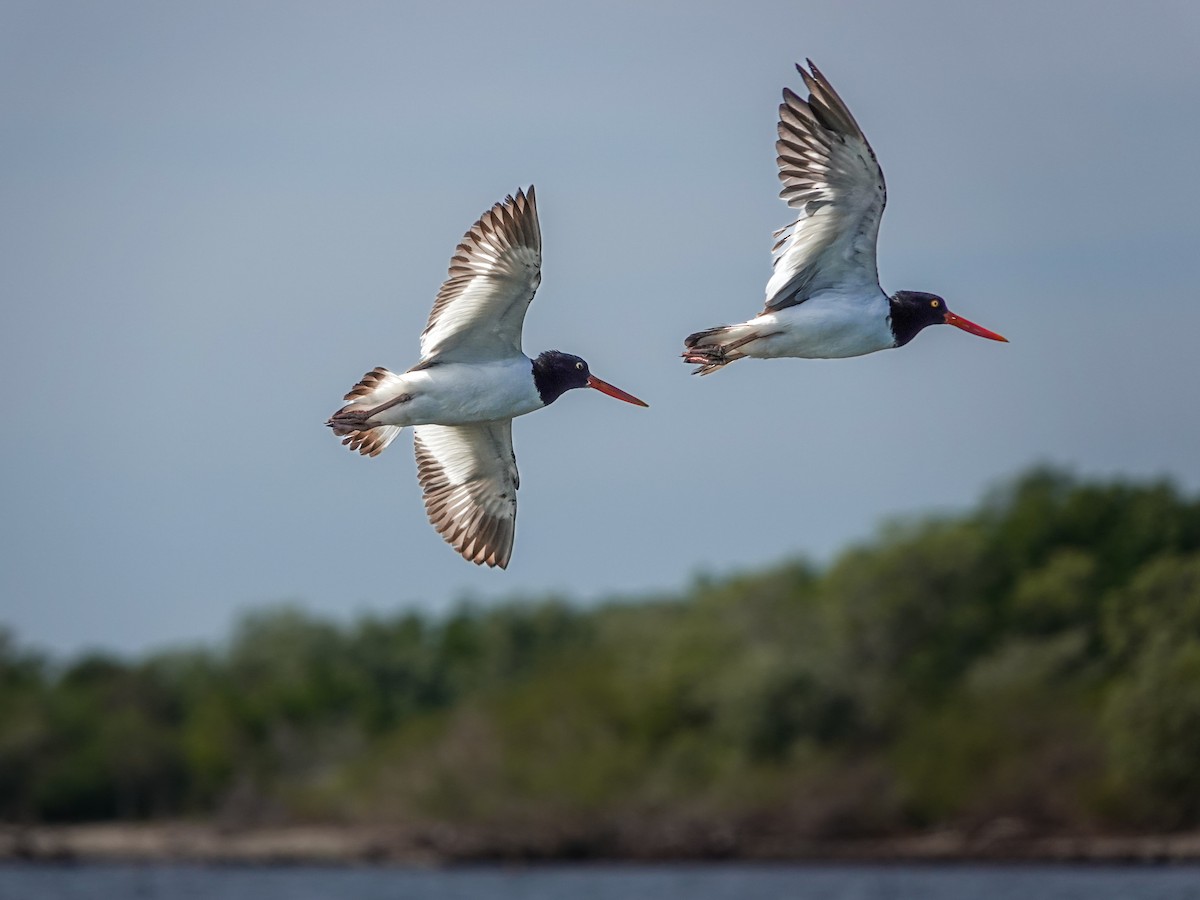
(39, 882)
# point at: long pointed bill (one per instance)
(605, 388)
(971, 328)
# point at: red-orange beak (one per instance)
(605, 388)
(970, 327)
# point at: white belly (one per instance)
(828, 325)
(460, 393)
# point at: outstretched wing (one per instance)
(830, 174)
(468, 475)
(494, 273)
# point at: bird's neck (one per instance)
(548, 381)
(904, 320)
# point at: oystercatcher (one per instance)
(823, 298)
(470, 383)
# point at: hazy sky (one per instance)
(214, 217)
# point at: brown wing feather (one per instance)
(831, 176)
(493, 275)
(468, 476)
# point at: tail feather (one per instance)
(373, 441)
(363, 400)
(716, 347)
(370, 384)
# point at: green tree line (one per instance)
(1036, 659)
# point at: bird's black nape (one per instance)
(912, 311)
(555, 373)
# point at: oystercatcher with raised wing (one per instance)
(823, 299)
(470, 383)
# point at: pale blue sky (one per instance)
(214, 217)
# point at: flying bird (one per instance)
(823, 299)
(471, 381)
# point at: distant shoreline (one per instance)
(182, 842)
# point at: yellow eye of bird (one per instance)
(934, 303)
(579, 366)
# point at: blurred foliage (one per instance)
(1037, 659)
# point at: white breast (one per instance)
(828, 325)
(462, 393)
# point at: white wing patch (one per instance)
(469, 479)
(494, 273)
(830, 175)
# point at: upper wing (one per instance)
(494, 273)
(468, 475)
(829, 173)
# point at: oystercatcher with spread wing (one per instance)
(823, 299)
(470, 383)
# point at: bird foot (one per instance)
(348, 421)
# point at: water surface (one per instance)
(614, 882)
